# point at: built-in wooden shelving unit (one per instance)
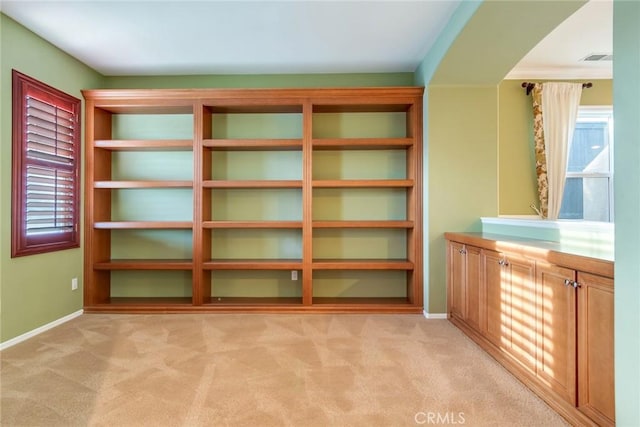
(294, 200)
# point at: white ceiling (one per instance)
(213, 37)
(294, 36)
(558, 56)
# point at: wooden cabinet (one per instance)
(595, 348)
(550, 324)
(253, 199)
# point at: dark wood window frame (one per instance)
(45, 168)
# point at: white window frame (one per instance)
(595, 114)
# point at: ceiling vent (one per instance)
(595, 57)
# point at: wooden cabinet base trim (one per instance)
(556, 402)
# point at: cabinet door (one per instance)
(473, 289)
(522, 344)
(509, 283)
(497, 326)
(556, 365)
(456, 277)
(595, 348)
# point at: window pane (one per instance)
(572, 200)
(596, 199)
(586, 198)
(590, 148)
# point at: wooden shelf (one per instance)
(150, 301)
(252, 184)
(362, 264)
(143, 184)
(145, 144)
(252, 144)
(363, 224)
(363, 183)
(141, 225)
(144, 264)
(252, 224)
(361, 143)
(253, 264)
(360, 301)
(270, 149)
(256, 301)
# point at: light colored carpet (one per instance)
(260, 370)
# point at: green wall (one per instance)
(626, 110)
(34, 290)
(462, 171)
(260, 80)
(517, 186)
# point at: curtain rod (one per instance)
(529, 86)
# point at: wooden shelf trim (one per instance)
(256, 97)
(141, 225)
(143, 184)
(361, 143)
(362, 264)
(363, 224)
(144, 264)
(252, 184)
(363, 183)
(145, 144)
(253, 264)
(252, 144)
(250, 305)
(252, 224)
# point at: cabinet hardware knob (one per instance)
(576, 285)
(567, 282)
(501, 262)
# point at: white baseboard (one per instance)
(41, 329)
(432, 316)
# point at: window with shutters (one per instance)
(46, 169)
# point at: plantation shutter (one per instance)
(50, 168)
(45, 178)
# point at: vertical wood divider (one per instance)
(89, 278)
(307, 202)
(201, 130)
(97, 244)
(414, 204)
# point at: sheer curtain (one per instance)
(555, 110)
(560, 102)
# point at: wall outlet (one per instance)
(294, 274)
(74, 284)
